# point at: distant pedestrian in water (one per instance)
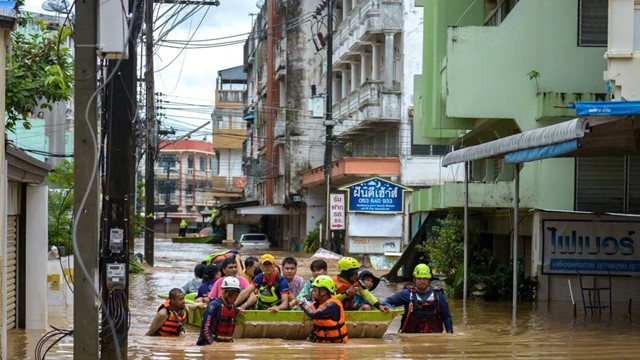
(182, 232)
(425, 307)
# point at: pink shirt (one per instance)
(216, 290)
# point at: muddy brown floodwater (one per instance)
(485, 330)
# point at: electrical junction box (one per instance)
(116, 240)
(116, 276)
(113, 29)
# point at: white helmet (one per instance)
(230, 283)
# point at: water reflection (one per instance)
(482, 330)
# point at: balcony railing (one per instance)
(280, 127)
(230, 96)
(280, 61)
(367, 18)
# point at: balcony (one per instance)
(280, 61)
(279, 132)
(363, 22)
(369, 102)
(226, 99)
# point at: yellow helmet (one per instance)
(422, 271)
(324, 281)
(348, 263)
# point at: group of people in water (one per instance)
(263, 285)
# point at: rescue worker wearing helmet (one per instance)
(219, 320)
(347, 285)
(425, 307)
(326, 312)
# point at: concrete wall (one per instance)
(36, 249)
(623, 50)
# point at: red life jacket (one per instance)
(225, 322)
(327, 330)
(173, 326)
(424, 315)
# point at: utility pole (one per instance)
(150, 155)
(119, 200)
(86, 216)
(329, 123)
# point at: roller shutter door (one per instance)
(12, 256)
(600, 184)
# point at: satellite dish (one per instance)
(58, 6)
(260, 4)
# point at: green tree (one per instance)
(61, 206)
(39, 72)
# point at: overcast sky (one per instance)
(190, 75)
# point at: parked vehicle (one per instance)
(254, 241)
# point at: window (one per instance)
(201, 163)
(190, 162)
(592, 22)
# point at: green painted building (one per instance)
(492, 68)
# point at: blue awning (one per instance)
(606, 108)
(249, 117)
(543, 152)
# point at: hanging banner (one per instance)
(336, 215)
(591, 245)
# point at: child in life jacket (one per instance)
(219, 320)
(368, 281)
(171, 316)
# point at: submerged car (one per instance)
(254, 241)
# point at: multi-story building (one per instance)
(496, 68)
(283, 139)
(184, 180)
(229, 132)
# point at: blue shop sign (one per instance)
(375, 195)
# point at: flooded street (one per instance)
(487, 330)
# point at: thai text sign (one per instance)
(336, 213)
(590, 246)
(376, 195)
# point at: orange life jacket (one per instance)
(327, 330)
(341, 288)
(173, 326)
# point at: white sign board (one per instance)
(375, 225)
(369, 245)
(590, 245)
(336, 215)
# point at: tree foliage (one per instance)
(39, 72)
(61, 206)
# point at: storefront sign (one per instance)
(337, 209)
(595, 246)
(376, 195)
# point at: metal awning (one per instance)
(265, 210)
(603, 128)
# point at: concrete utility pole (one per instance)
(150, 154)
(329, 123)
(119, 207)
(85, 310)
